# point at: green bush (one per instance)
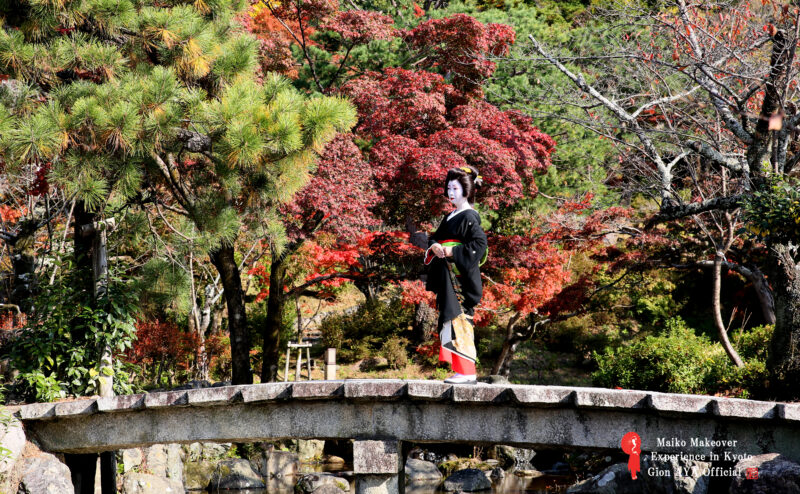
(58, 351)
(395, 352)
(365, 332)
(679, 361)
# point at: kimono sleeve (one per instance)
(469, 253)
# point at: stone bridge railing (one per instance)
(381, 414)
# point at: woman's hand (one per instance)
(440, 251)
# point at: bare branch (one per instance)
(692, 208)
(717, 158)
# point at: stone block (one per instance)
(429, 390)
(77, 407)
(542, 396)
(481, 394)
(668, 403)
(235, 473)
(121, 403)
(266, 392)
(37, 411)
(789, 411)
(374, 390)
(213, 396)
(317, 390)
(610, 398)
(165, 399)
(750, 409)
(376, 457)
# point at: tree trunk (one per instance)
(82, 244)
(223, 259)
(716, 309)
(502, 366)
(271, 333)
(784, 356)
(23, 264)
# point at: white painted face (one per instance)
(455, 193)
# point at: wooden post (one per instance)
(299, 364)
(288, 357)
(330, 364)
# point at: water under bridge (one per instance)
(379, 415)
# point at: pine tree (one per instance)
(145, 101)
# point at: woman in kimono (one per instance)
(454, 255)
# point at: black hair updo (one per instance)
(469, 179)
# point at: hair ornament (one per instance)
(466, 170)
(479, 181)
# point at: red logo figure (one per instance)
(751, 473)
(632, 444)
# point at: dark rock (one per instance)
(235, 473)
(193, 385)
(467, 480)
(311, 482)
(559, 468)
(776, 475)
(197, 474)
(43, 474)
(419, 470)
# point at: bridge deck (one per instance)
(419, 411)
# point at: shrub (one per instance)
(679, 361)
(395, 352)
(58, 350)
(365, 332)
(162, 349)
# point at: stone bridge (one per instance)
(379, 415)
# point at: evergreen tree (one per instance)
(144, 101)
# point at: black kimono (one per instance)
(465, 228)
